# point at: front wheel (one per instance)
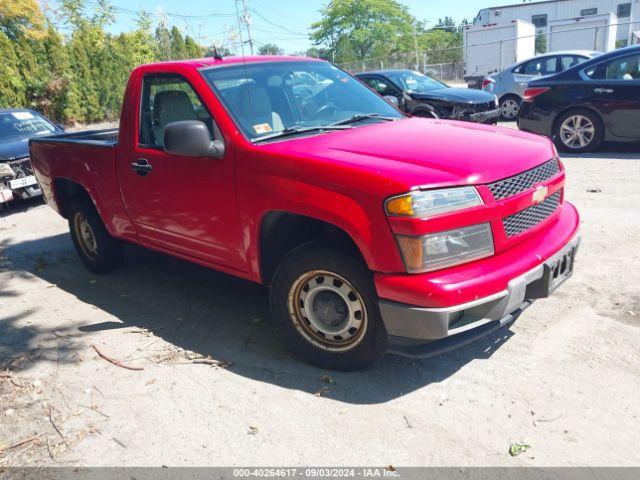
(509, 107)
(325, 304)
(98, 250)
(578, 131)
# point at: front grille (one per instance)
(484, 107)
(511, 186)
(530, 217)
(22, 166)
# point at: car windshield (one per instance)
(23, 124)
(416, 82)
(267, 98)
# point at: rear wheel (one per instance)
(325, 304)
(578, 131)
(509, 107)
(98, 250)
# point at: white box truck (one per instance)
(493, 47)
(595, 32)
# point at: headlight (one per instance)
(6, 171)
(445, 249)
(433, 202)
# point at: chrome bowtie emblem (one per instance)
(539, 195)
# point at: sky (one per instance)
(283, 22)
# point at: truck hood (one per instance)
(14, 148)
(455, 95)
(424, 152)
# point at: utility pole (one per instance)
(239, 29)
(247, 22)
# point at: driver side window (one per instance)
(379, 86)
(167, 99)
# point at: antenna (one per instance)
(217, 55)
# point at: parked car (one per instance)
(423, 96)
(17, 126)
(596, 101)
(324, 199)
(509, 85)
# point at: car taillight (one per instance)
(487, 81)
(531, 93)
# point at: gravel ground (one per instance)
(219, 388)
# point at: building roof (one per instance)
(522, 4)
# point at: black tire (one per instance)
(506, 102)
(108, 251)
(368, 343)
(596, 138)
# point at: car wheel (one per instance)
(509, 107)
(98, 250)
(578, 131)
(325, 304)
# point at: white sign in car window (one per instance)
(22, 115)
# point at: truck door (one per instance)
(184, 204)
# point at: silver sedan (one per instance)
(509, 85)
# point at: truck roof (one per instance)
(212, 61)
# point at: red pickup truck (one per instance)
(375, 231)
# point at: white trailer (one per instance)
(596, 32)
(491, 48)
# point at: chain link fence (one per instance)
(448, 64)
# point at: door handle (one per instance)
(142, 167)
(603, 90)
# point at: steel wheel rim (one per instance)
(86, 236)
(577, 131)
(327, 311)
(510, 108)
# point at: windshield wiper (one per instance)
(298, 130)
(362, 116)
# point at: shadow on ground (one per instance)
(212, 314)
(609, 151)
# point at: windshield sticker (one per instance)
(262, 128)
(22, 115)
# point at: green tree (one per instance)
(12, 88)
(21, 17)
(541, 43)
(178, 48)
(193, 50)
(163, 42)
(270, 49)
(362, 28)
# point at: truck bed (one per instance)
(104, 138)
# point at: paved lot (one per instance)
(564, 379)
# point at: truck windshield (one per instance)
(416, 82)
(270, 97)
(23, 124)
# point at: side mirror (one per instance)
(191, 137)
(392, 100)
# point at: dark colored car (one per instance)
(17, 126)
(423, 96)
(596, 101)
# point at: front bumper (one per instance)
(422, 331)
(484, 116)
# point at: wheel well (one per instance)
(574, 108)
(425, 108)
(281, 232)
(512, 95)
(66, 190)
